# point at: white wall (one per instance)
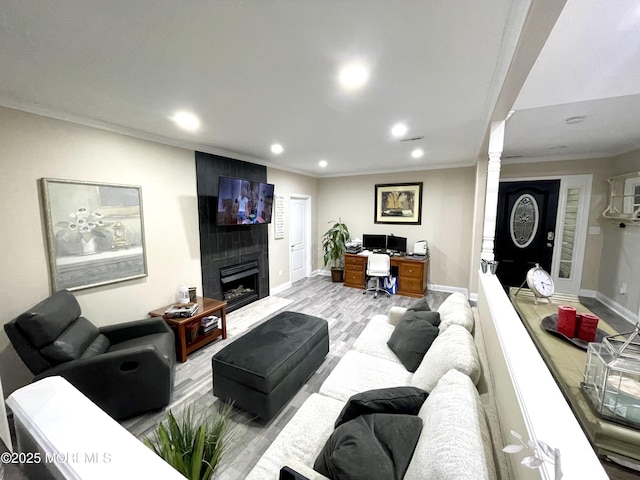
(447, 216)
(527, 396)
(33, 147)
(287, 184)
(621, 251)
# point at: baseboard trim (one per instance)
(625, 313)
(450, 289)
(588, 293)
(280, 288)
(286, 285)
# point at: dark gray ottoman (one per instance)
(262, 370)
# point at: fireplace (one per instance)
(240, 285)
(221, 246)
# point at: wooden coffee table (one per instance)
(206, 307)
(567, 364)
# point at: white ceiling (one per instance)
(590, 66)
(264, 71)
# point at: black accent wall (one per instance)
(222, 246)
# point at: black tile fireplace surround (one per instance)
(222, 247)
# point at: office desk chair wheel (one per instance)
(378, 265)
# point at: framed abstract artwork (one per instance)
(398, 203)
(95, 233)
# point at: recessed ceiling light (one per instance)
(574, 120)
(186, 120)
(277, 148)
(322, 163)
(399, 129)
(353, 76)
(417, 153)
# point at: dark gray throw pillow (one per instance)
(370, 447)
(413, 336)
(432, 317)
(397, 400)
(420, 306)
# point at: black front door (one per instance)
(525, 228)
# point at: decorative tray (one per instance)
(550, 324)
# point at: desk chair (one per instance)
(378, 265)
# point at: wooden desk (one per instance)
(567, 363)
(412, 274)
(206, 307)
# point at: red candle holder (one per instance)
(567, 320)
(587, 327)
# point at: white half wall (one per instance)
(527, 397)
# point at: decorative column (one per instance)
(496, 143)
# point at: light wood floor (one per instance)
(346, 310)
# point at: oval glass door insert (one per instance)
(524, 220)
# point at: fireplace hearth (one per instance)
(240, 284)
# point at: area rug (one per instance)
(244, 319)
(347, 312)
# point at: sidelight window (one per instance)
(569, 226)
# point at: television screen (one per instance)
(397, 244)
(244, 202)
(374, 242)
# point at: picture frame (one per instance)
(95, 233)
(398, 203)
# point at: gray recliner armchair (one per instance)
(125, 369)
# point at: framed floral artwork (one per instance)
(398, 203)
(95, 233)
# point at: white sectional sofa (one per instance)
(460, 437)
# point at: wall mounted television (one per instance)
(244, 202)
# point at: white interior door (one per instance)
(299, 238)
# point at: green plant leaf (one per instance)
(333, 243)
(196, 454)
(195, 443)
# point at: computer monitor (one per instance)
(397, 244)
(374, 242)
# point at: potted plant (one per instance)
(334, 245)
(195, 443)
